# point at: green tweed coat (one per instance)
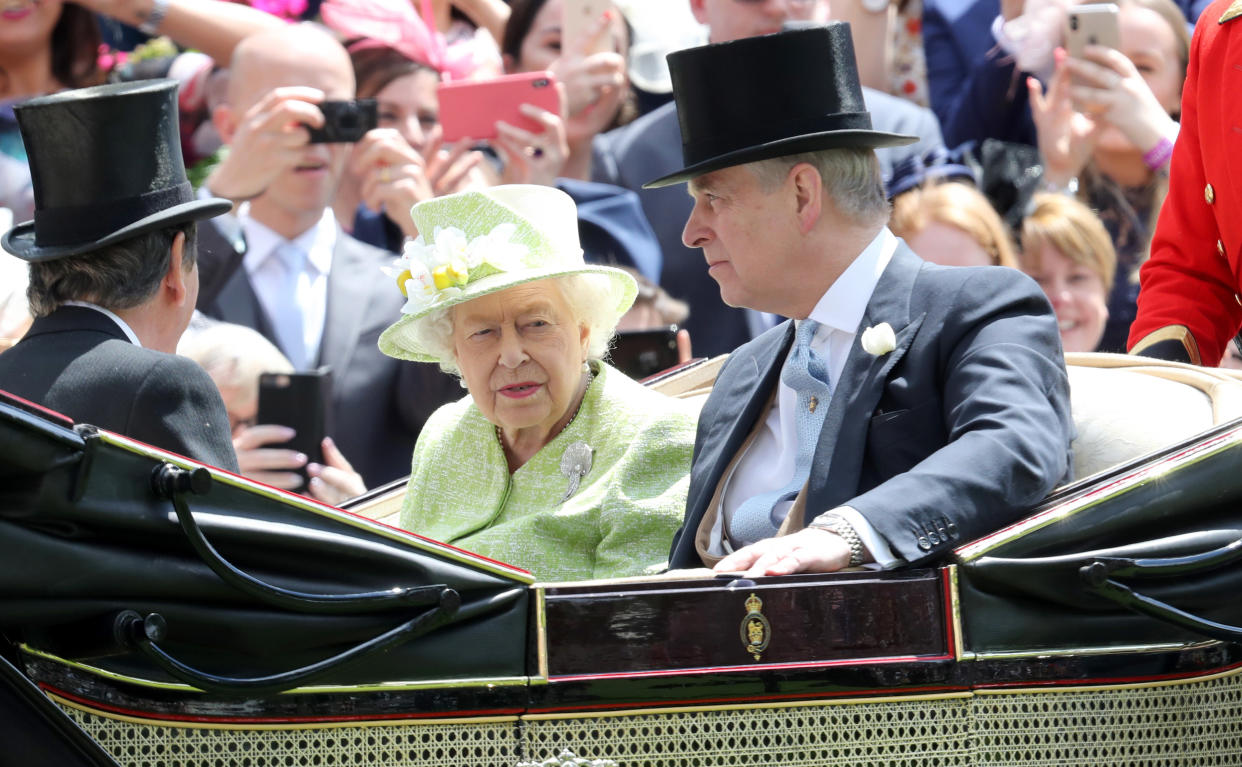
(619, 522)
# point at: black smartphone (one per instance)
(640, 353)
(345, 122)
(299, 401)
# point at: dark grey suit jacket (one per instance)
(378, 403)
(80, 363)
(650, 147)
(955, 433)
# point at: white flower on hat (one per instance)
(430, 274)
(496, 250)
(879, 340)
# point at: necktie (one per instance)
(286, 267)
(807, 374)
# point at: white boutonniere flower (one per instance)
(879, 339)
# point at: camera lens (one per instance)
(1074, 23)
(542, 83)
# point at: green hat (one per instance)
(475, 243)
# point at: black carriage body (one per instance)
(1015, 652)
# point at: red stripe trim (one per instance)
(36, 408)
(749, 668)
(788, 698)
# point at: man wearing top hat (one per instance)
(908, 407)
(647, 147)
(113, 278)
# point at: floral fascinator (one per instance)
(480, 242)
(395, 24)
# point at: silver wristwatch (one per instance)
(835, 523)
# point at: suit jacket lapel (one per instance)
(745, 392)
(349, 281)
(835, 474)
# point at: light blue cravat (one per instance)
(807, 374)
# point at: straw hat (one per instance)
(476, 243)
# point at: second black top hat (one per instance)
(106, 166)
(768, 96)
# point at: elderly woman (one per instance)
(556, 462)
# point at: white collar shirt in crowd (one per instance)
(296, 303)
(122, 324)
(768, 462)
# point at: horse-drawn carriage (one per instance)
(179, 615)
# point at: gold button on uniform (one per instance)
(1209, 194)
(1220, 247)
(814, 403)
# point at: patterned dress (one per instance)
(619, 522)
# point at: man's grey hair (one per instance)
(592, 303)
(118, 276)
(851, 177)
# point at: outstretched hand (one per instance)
(810, 550)
(1066, 137)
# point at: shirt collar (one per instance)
(318, 242)
(843, 306)
(124, 326)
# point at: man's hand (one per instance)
(270, 138)
(335, 480)
(271, 466)
(811, 550)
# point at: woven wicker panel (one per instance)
(1194, 725)
(924, 733)
(397, 745)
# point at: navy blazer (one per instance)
(650, 147)
(378, 403)
(955, 433)
(79, 362)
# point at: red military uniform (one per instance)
(1190, 298)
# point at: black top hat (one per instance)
(769, 96)
(106, 166)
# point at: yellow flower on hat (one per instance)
(454, 274)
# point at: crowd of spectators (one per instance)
(1028, 158)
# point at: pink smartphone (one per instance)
(579, 19)
(471, 108)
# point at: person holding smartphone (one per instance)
(404, 160)
(283, 266)
(590, 68)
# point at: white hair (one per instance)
(592, 304)
(850, 176)
(233, 355)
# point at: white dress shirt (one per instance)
(768, 462)
(310, 297)
(122, 324)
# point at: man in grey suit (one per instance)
(908, 407)
(283, 266)
(651, 146)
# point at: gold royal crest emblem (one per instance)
(755, 630)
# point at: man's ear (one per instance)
(699, 9)
(808, 193)
(174, 282)
(225, 120)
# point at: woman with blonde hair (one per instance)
(952, 224)
(1067, 250)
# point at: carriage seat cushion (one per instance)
(1125, 406)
